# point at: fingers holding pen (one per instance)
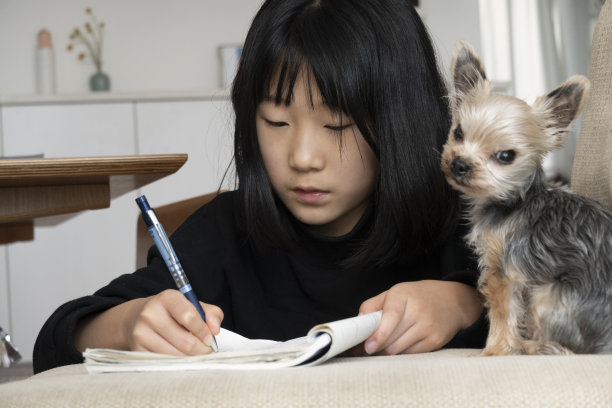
(145, 338)
(214, 317)
(169, 323)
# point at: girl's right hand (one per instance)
(164, 323)
(168, 323)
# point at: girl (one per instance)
(341, 207)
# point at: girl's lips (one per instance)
(310, 195)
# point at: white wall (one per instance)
(450, 21)
(158, 45)
(150, 45)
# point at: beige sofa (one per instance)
(447, 378)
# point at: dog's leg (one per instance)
(546, 313)
(502, 292)
(504, 335)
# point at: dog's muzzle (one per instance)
(459, 167)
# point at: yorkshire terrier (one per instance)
(545, 254)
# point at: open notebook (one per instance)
(322, 342)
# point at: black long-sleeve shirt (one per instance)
(271, 294)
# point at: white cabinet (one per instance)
(69, 130)
(4, 297)
(203, 129)
(74, 255)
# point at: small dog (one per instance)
(545, 254)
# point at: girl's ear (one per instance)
(467, 71)
(561, 106)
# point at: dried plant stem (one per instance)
(99, 27)
(88, 44)
(92, 38)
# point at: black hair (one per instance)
(374, 61)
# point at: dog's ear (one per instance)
(561, 106)
(467, 71)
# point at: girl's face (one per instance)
(317, 161)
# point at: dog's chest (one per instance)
(491, 228)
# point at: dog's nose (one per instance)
(459, 167)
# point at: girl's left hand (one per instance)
(421, 316)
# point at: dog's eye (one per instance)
(458, 134)
(505, 156)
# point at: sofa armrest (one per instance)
(592, 168)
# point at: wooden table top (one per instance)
(38, 187)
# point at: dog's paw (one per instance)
(489, 351)
(548, 349)
(499, 350)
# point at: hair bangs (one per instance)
(326, 55)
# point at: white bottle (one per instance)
(45, 64)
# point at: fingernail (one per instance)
(371, 347)
(208, 340)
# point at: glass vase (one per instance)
(99, 82)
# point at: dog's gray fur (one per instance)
(545, 253)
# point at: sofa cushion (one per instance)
(446, 378)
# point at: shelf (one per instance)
(114, 97)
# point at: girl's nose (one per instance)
(306, 154)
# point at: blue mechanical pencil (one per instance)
(167, 252)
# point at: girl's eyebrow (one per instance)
(273, 99)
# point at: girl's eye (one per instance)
(275, 124)
(338, 128)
